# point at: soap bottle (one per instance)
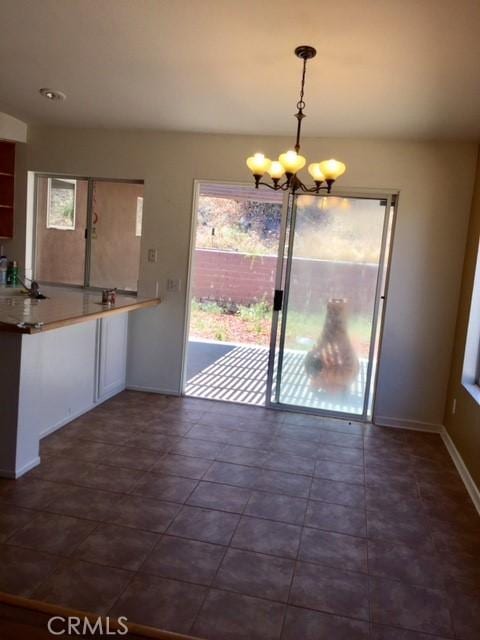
(3, 270)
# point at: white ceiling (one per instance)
(386, 68)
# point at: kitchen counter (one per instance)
(52, 377)
(62, 307)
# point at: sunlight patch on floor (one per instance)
(241, 376)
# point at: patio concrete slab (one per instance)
(239, 374)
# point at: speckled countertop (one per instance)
(63, 306)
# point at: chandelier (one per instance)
(291, 162)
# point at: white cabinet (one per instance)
(57, 381)
(112, 356)
(53, 377)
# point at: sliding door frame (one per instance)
(88, 227)
(279, 286)
(37, 176)
(188, 288)
(283, 285)
(282, 279)
(188, 285)
(379, 303)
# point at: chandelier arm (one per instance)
(299, 185)
(314, 189)
(294, 185)
(274, 187)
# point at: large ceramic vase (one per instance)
(332, 365)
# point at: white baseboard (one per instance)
(164, 392)
(402, 423)
(64, 421)
(464, 473)
(13, 475)
(81, 412)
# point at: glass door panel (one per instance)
(116, 234)
(61, 220)
(324, 357)
(237, 230)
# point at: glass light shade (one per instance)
(258, 164)
(276, 170)
(332, 169)
(315, 171)
(292, 161)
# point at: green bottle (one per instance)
(12, 274)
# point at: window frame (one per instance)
(139, 217)
(471, 360)
(88, 230)
(49, 201)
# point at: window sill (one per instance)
(473, 390)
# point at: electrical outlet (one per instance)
(152, 255)
(173, 286)
(454, 406)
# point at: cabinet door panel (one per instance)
(113, 355)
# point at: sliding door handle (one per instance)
(278, 300)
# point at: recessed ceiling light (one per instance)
(51, 94)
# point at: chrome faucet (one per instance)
(33, 289)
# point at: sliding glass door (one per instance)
(329, 301)
(87, 232)
(235, 239)
(61, 220)
(116, 230)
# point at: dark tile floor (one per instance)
(233, 522)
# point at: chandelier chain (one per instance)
(300, 106)
(301, 102)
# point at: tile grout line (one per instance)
(212, 582)
(295, 563)
(138, 573)
(367, 544)
(312, 476)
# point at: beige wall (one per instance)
(12, 129)
(464, 425)
(427, 258)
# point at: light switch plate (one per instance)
(173, 286)
(152, 255)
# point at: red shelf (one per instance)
(7, 182)
(7, 157)
(6, 222)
